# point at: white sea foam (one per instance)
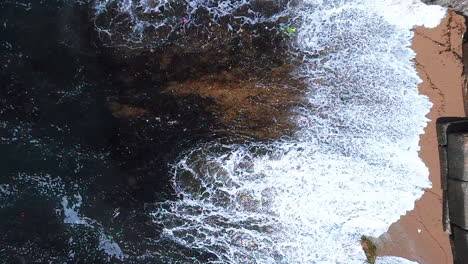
(72, 217)
(172, 19)
(353, 167)
(71, 212)
(408, 13)
(6, 192)
(393, 260)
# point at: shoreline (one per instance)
(419, 235)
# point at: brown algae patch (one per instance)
(126, 111)
(248, 103)
(241, 71)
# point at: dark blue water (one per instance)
(57, 83)
(61, 138)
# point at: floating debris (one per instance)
(290, 30)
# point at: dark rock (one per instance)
(457, 151)
(457, 5)
(458, 202)
(460, 244)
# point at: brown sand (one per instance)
(418, 235)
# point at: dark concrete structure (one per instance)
(453, 151)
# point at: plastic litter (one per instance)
(290, 30)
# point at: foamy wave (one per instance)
(410, 13)
(147, 23)
(353, 167)
(290, 204)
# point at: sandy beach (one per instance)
(419, 235)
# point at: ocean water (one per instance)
(83, 186)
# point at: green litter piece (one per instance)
(290, 30)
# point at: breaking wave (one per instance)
(352, 168)
(153, 23)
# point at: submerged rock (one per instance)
(233, 54)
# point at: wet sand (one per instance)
(419, 235)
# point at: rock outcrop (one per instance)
(458, 5)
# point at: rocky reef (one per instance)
(242, 70)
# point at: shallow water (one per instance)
(102, 165)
